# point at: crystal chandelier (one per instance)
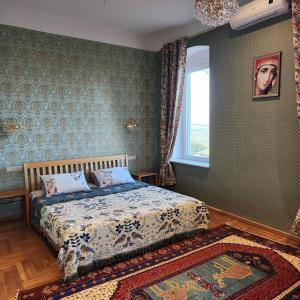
(215, 12)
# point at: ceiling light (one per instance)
(215, 13)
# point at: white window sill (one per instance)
(188, 162)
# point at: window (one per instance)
(192, 142)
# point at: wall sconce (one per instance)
(131, 124)
(10, 127)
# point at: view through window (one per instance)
(197, 102)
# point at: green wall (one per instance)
(72, 98)
(254, 145)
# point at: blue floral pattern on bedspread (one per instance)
(39, 202)
(87, 229)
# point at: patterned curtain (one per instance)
(172, 81)
(296, 41)
(296, 225)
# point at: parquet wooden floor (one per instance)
(26, 260)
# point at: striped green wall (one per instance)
(254, 145)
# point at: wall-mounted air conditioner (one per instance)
(257, 11)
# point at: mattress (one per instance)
(89, 228)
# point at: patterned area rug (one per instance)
(224, 263)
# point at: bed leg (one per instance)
(27, 209)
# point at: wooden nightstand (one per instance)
(147, 175)
(17, 192)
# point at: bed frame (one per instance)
(33, 170)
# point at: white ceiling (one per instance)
(145, 24)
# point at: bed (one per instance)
(105, 225)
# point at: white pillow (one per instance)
(113, 176)
(58, 184)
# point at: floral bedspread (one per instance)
(86, 231)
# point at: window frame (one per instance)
(180, 154)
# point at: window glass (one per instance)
(198, 114)
(192, 142)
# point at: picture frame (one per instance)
(266, 75)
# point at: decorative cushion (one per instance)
(113, 176)
(58, 184)
(37, 193)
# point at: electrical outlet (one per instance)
(14, 169)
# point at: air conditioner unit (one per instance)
(257, 11)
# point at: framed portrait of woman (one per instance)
(266, 75)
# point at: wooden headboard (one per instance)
(33, 170)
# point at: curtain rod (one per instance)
(194, 35)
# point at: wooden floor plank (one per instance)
(26, 261)
(3, 292)
(12, 282)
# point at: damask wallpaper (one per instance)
(72, 98)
